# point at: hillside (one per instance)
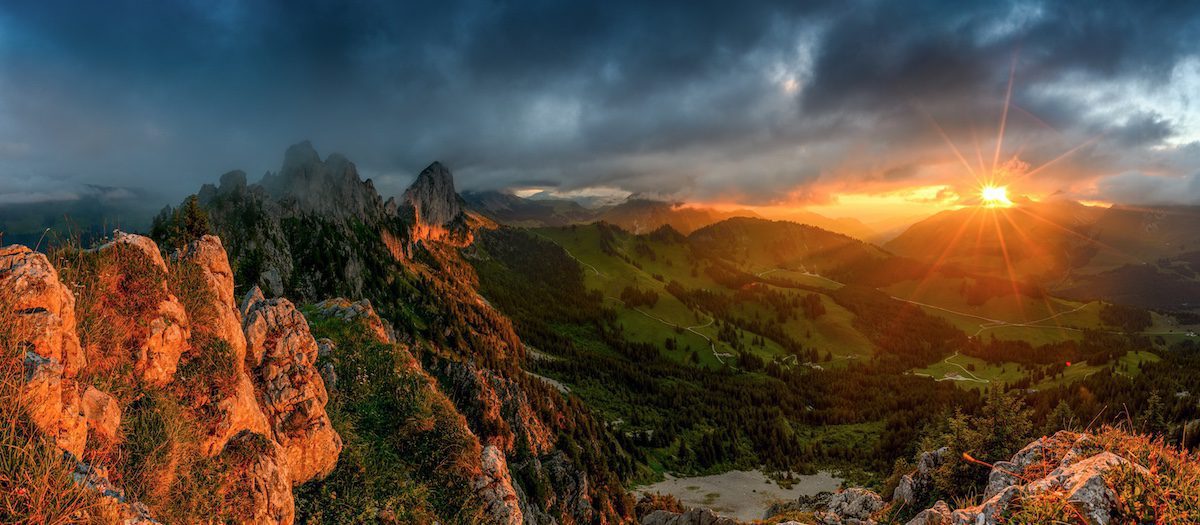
(214, 398)
(1141, 256)
(636, 214)
(757, 244)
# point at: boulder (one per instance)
(939, 514)
(52, 403)
(102, 413)
(280, 357)
(44, 307)
(158, 357)
(855, 503)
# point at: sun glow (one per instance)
(995, 196)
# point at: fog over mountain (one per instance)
(769, 103)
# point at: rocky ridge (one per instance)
(272, 421)
(410, 260)
(315, 209)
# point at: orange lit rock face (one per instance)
(281, 359)
(158, 358)
(271, 430)
(41, 311)
(44, 306)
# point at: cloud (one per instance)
(767, 102)
(1140, 188)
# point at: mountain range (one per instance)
(635, 214)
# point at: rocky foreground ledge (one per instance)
(261, 397)
(1108, 477)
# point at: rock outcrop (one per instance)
(347, 310)
(690, 517)
(853, 506)
(268, 480)
(42, 310)
(44, 307)
(239, 411)
(281, 357)
(435, 212)
(495, 487)
(914, 485)
(330, 187)
(1071, 471)
(268, 432)
(52, 403)
(208, 254)
(485, 467)
(433, 198)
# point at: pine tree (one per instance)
(1062, 418)
(1153, 417)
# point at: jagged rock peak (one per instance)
(300, 155)
(331, 187)
(432, 196)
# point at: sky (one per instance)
(763, 103)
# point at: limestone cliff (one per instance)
(182, 415)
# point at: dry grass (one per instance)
(1167, 492)
(36, 486)
(117, 291)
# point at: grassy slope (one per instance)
(985, 373)
(1047, 317)
(1037, 321)
(611, 274)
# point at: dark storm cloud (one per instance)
(759, 102)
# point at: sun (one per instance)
(995, 196)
